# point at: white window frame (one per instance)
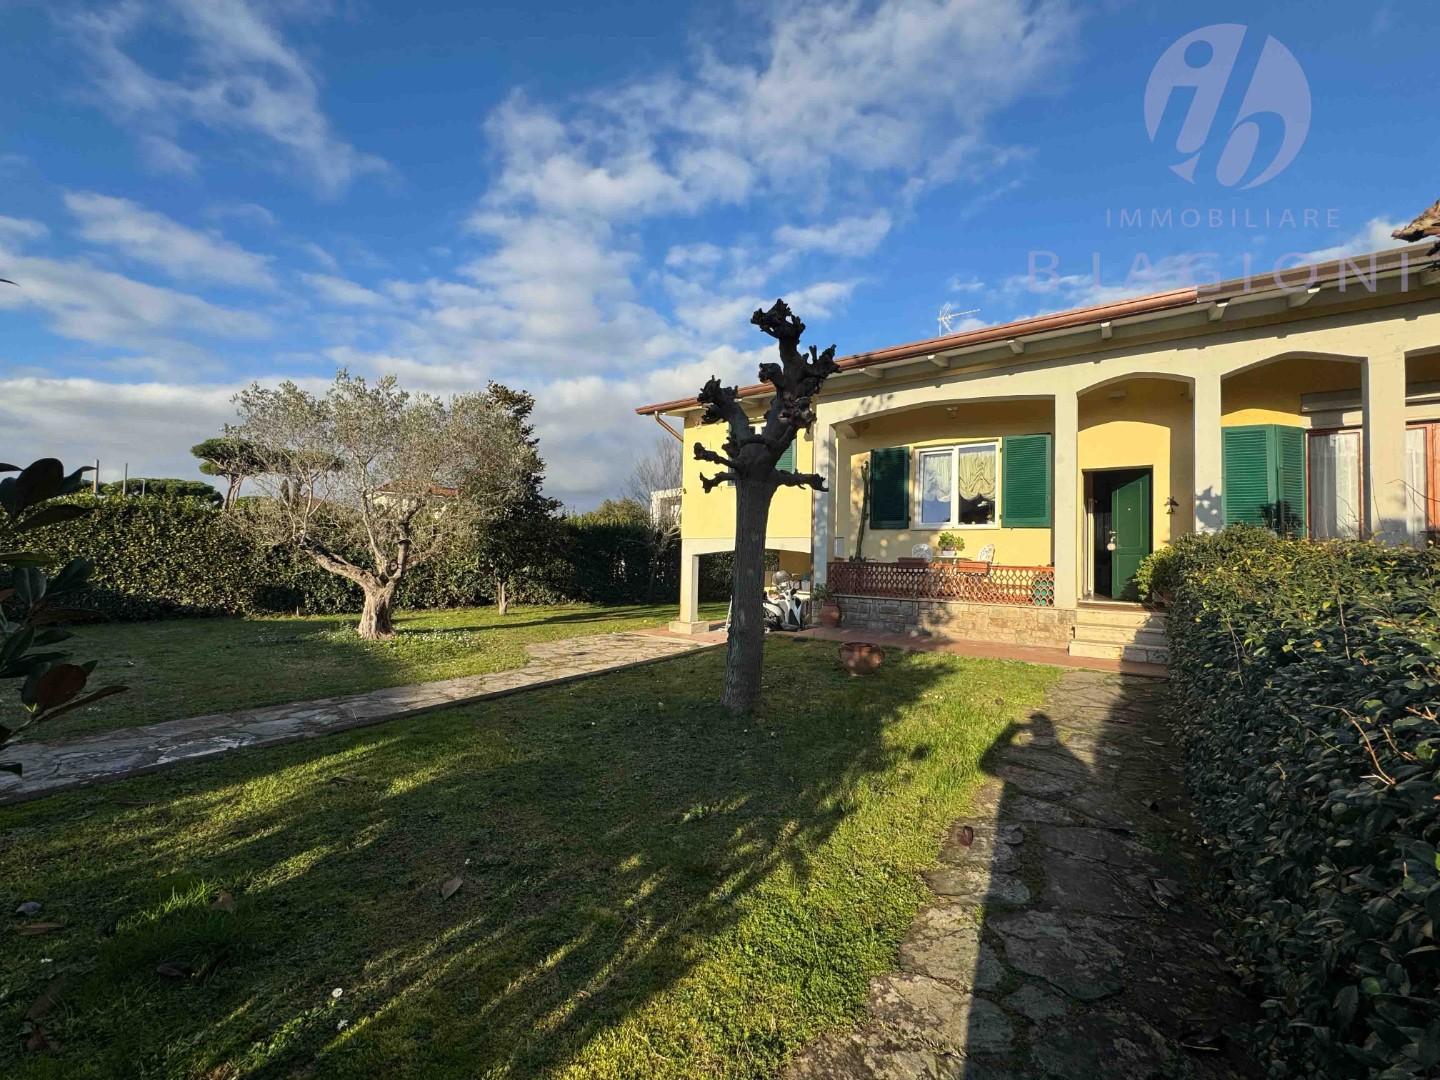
(916, 491)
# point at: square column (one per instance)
(689, 615)
(822, 505)
(1383, 400)
(1065, 526)
(1209, 459)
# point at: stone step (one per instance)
(1123, 635)
(1140, 654)
(1119, 616)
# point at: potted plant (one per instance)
(829, 607)
(951, 544)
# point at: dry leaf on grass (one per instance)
(38, 1042)
(46, 1001)
(36, 928)
(450, 887)
(223, 901)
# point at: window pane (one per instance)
(1335, 485)
(975, 483)
(935, 487)
(1416, 484)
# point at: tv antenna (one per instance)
(948, 315)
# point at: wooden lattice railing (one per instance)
(1033, 586)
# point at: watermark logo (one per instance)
(1232, 107)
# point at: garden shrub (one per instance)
(1155, 579)
(1307, 682)
(157, 557)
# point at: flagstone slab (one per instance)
(51, 766)
(1057, 943)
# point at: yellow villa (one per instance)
(1063, 449)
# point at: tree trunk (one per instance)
(745, 650)
(375, 624)
(502, 597)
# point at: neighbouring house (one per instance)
(1076, 443)
(665, 507)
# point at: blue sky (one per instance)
(588, 203)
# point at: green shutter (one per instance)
(1263, 477)
(1246, 474)
(1290, 516)
(1027, 482)
(890, 488)
(787, 459)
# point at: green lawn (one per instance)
(187, 667)
(648, 886)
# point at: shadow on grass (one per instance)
(607, 838)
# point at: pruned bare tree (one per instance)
(370, 481)
(661, 469)
(1427, 224)
(748, 460)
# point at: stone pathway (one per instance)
(1063, 939)
(88, 759)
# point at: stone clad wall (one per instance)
(1005, 623)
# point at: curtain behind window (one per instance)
(1335, 485)
(1416, 485)
(935, 487)
(975, 485)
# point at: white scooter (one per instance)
(786, 609)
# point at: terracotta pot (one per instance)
(861, 657)
(830, 614)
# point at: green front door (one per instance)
(1130, 524)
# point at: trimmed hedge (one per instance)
(1308, 683)
(158, 557)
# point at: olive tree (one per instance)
(370, 481)
(748, 458)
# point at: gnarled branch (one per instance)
(704, 453)
(793, 479)
(710, 482)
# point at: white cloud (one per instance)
(21, 229)
(184, 254)
(151, 425)
(1375, 236)
(250, 212)
(320, 255)
(851, 236)
(342, 291)
(904, 90)
(241, 78)
(687, 255)
(165, 155)
(85, 303)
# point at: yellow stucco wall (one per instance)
(711, 515)
(1144, 423)
(969, 422)
(1271, 394)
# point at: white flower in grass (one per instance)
(337, 992)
